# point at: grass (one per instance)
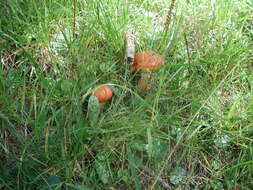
(193, 130)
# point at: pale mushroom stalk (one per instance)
(144, 80)
(129, 45)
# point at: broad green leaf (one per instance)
(138, 145)
(134, 161)
(156, 148)
(222, 141)
(66, 86)
(123, 175)
(51, 183)
(102, 168)
(78, 187)
(93, 110)
(53, 180)
(177, 175)
(13, 78)
(135, 178)
(149, 146)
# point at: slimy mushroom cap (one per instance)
(147, 60)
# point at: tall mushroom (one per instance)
(146, 61)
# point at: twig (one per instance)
(187, 48)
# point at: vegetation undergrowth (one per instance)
(192, 130)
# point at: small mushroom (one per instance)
(146, 61)
(100, 95)
(103, 93)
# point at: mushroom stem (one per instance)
(143, 84)
(129, 45)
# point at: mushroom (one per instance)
(146, 61)
(103, 93)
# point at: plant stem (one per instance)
(169, 15)
(74, 22)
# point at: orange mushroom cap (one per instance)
(147, 60)
(103, 93)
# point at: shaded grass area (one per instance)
(193, 129)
